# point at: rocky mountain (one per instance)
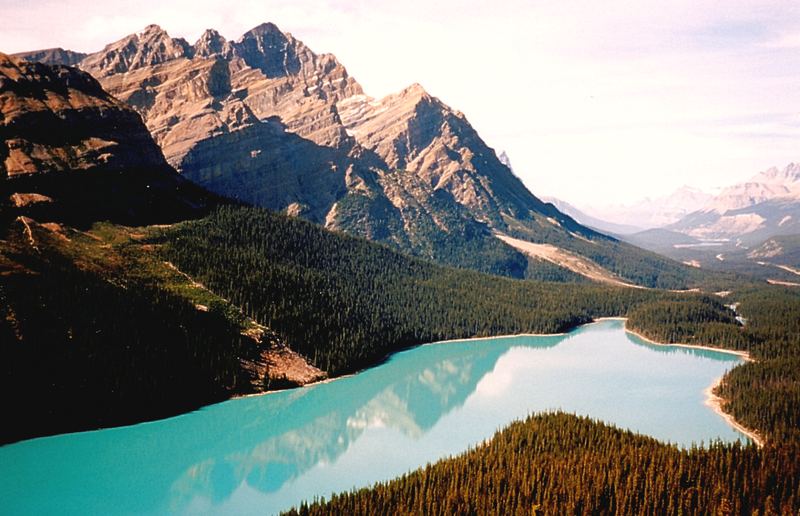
(265, 120)
(747, 213)
(71, 150)
(505, 160)
(750, 227)
(654, 212)
(591, 221)
(782, 251)
(773, 183)
(55, 56)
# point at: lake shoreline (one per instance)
(414, 346)
(712, 401)
(744, 355)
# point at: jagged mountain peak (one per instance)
(151, 46)
(414, 90)
(212, 43)
(262, 29)
(416, 95)
(152, 30)
(789, 174)
(268, 49)
(417, 133)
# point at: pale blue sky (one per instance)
(595, 102)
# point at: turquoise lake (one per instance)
(263, 454)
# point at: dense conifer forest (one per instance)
(563, 464)
(765, 393)
(345, 303)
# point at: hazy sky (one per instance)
(595, 102)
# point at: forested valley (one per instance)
(109, 322)
(345, 303)
(103, 327)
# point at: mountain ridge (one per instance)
(267, 121)
(766, 205)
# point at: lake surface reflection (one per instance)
(263, 454)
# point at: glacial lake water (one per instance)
(263, 454)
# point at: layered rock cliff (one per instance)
(70, 148)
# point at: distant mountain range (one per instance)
(749, 227)
(268, 122)
(749, 212)
(591, 221)
(653, 212)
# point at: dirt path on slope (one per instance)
(566, 259)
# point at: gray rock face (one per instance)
(52, 56)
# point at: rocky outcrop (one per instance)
(56, 118)
(65, 140)
(149, 47)
(186, 93)
(52, 56)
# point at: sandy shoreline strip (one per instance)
(714, 402)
